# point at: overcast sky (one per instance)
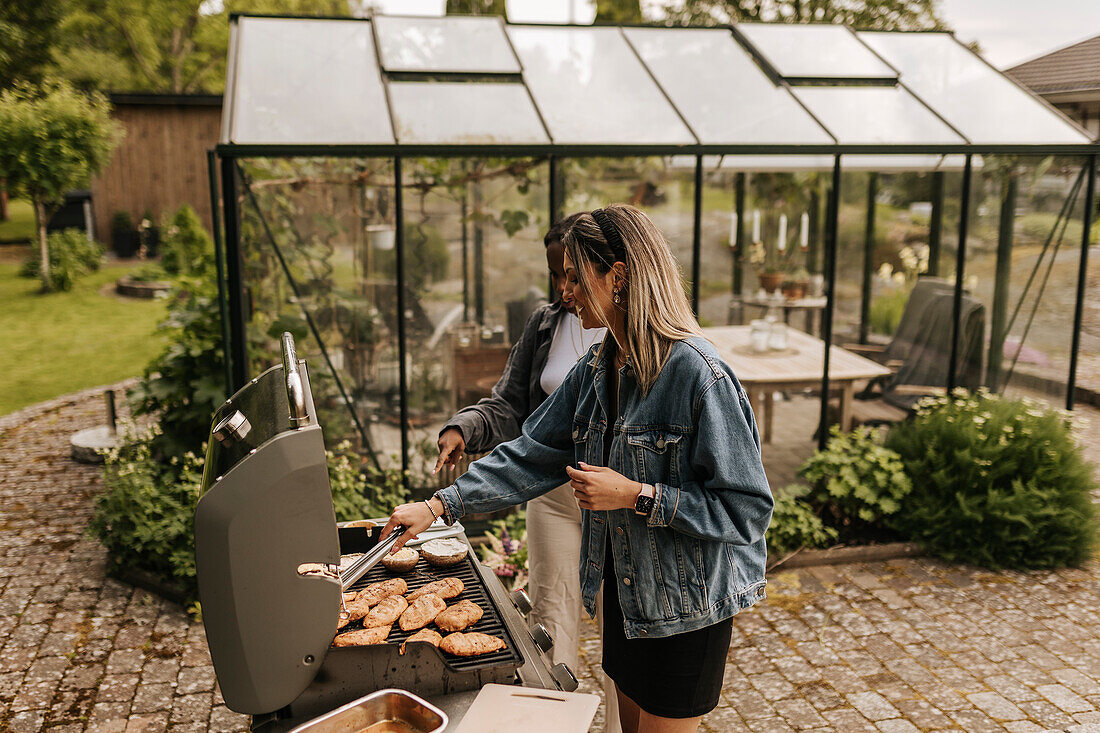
(1009, 31)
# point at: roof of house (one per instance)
(1074, 68)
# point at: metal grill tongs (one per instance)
(362, 566)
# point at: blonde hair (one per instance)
(657, 309)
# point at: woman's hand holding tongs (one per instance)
(416, 517)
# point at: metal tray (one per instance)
(409, 713)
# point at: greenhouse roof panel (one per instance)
(280, 97)
(874, 115)
(800, 51)
(720, 90)
(460, 44)
(465, 114)
(974, 97)
(592, 89)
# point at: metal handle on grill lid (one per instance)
(295, 392)
(564, 676)
(543, 640)
(362, 566)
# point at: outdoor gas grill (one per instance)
(266, 515)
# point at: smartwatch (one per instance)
(644, 503)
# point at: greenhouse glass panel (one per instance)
(281, 97)
(876, 115)
(720, 90)
(979, 101)
(815, 51)
(592, 89)
(464, 113)
(453, 44)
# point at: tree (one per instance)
(477, 7)
(28, 31)
(52, 139)
(614, 12)
(868, 14)
(165, 46)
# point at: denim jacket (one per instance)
(699, 556)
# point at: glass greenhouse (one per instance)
(385, 184)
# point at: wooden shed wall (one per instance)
(159, 165)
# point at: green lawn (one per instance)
(64, 342)
(20, 223)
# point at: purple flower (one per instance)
(505, 571)
(510, 545)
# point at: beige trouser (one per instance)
(554, 559)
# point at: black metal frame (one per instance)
(234, 306)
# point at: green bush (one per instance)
(71, 257)
(186, 248)
(426, 256)
(185, 384)
(145, 516)
(795, 524)
(997, 482)
(886, 310)
(857, 485)
(1036, 227)
(365, 491)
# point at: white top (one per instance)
(568, 344)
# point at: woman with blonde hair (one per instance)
(668, 474)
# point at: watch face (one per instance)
(644, 504)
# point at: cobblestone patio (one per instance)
(892, 646)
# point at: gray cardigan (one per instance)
(519, 392)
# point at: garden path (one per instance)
(889, 646)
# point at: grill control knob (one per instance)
(564, 676)
(542, 638)
(521, 601)
(231, 428)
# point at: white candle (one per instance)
(782, 232)
(755, 226)
(804, 231)
(733, 228)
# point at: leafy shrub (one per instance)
(426, 256)
(856, 484)
(186, 248)
(365, 491)
(147, 273)
(886, 310)
(145, 517)
(71, 257)
(1036, 226)
(185, 384)
(997, 482)
(795, 524)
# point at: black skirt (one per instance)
(676, 676)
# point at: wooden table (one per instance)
(798, 367)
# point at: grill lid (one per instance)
(266, 510)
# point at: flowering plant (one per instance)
(505, 551)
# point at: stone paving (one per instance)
(890, 646)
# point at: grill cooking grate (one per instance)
(474, 590)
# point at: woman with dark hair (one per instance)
(667, 472)
(552, 342)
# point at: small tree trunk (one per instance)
(43, 248)
(3, 199)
